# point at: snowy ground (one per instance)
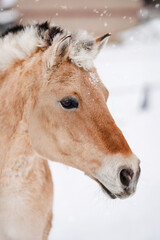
(131, 72)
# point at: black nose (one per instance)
(126, 176)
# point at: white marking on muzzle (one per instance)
(109, 173)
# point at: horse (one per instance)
(53, 107)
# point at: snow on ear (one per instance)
(101, 41)
(57, 52)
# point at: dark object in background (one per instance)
(151, 2)
(146, 96)
(150, 10)
(8, 14)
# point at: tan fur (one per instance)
(33, 123)
(24, 178)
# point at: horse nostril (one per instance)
(126, 176)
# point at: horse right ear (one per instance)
(102, 41)
(57, 52)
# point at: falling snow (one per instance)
(78, 202)
(157, 5)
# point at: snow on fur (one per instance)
(21, 42)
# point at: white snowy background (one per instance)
(131, 72)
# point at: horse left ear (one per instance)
(57, 52)
(63, 47)
(101, 41)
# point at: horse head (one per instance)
(70, 121)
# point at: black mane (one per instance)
(14, 30)
(41, 29)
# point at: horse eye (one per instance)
(69, 103)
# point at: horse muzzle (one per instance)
(119, 181)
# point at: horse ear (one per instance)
(57, 52)
(63, 47)
(101, 41)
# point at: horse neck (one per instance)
(17, 96)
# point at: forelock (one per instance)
(83, 50)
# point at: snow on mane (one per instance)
(21, 42)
